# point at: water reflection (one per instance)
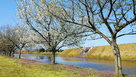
(98, 64)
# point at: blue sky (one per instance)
(8, 16)
(7, 12)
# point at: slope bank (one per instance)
(128, 52)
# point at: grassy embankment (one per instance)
(13, 67)
(71, 52)
(128, 52)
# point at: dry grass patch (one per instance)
(71, 52)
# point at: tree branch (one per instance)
(69, 21)
(126, 34)
(125, 24)
(102, 16)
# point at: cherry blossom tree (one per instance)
(52, 32)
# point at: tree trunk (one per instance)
(13, 53)
(10, 53)
(20, 53)
(117, 58)
(6, 53)
(53, 57)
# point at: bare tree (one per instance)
(110, 19)
(50, 31)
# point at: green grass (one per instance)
(128, 52)
(12, 67)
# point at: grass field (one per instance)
(128, 52)
(13, 67)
